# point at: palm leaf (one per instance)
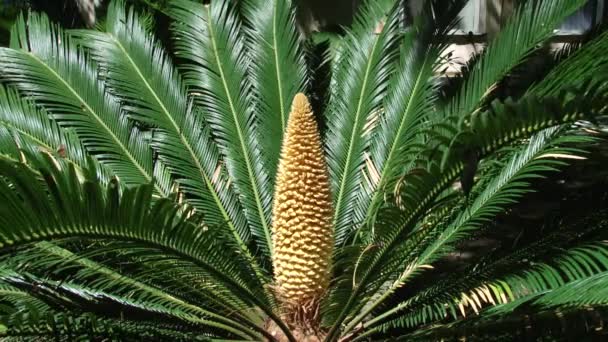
(111, 214)
(73, 326)
(484, 283)
(50, 262)
(410, 97)
(359, 81)
(209, 38)
(142, 75)
(512, 183)
(70, 295)
(587, 62)
(397, 219)
(505, 188)
(531, 24)
(588, 291)
(279, 70)
(35, 128)
(60, 78)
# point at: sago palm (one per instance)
(146, 196)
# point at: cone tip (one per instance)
(300, 103)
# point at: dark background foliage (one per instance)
(313, 14)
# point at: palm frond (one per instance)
(359, 82)
(504, 189)
(585, 291)
(141, 74)
(70, 296)
(588, 62)
(277, 68)
(209, 38)
(411, 96)
(15, 301)
(67, 326)
(531, 24)
(58, 203)
(36, 130)
(136, 181)
(397, 219)
(495, 282)
(61, 79)
(127, 267)
(52, 262)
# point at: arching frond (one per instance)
(497, 281)
(410, 99)
(60, 78)
(142, 75)
(532, 23)
(504, 189)
(70, 296)
(67, 326)
(395, 220)
(35, 130)
(277, 68)
(587, 62)
(137, 178)
(359, 82)
(209, 38)
(63, 203)
(52, 263)
(542, 311)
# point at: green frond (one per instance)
(126, 268)
(64, 204)
(277, 68)
(141, 74)
(587, 62)
(359, 82)
(53, 262)
(507, 121)
(46, 66)
(504, 189)
(66, 326)
(209, 38)
(541, 311)
(425, 183)
(531, 24)
(497, 281)
(577, 264)
(70, 296)
(542, 155)
(35, 130)
(15, 301)
(136, 180)
(411, 96)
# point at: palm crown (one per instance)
(139, 197)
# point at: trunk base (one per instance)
(303, 321)
(299, 334)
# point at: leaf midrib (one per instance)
(277, 66)
(61, 252)
(501, 184)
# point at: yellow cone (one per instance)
(302, 212)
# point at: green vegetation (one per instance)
(137, 186)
